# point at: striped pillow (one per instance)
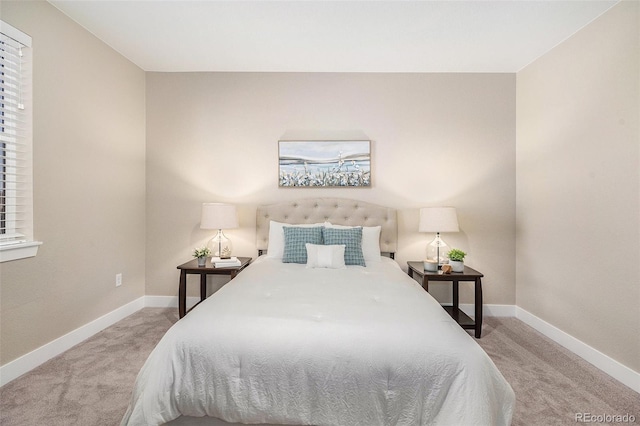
(295, 238)
(351, 238)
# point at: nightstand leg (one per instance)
(478, 308)
(456, 297)
(182, 294)
(203, 287)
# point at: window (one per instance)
(16, 187)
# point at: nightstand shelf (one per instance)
(460, 317)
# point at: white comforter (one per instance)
(289, 345)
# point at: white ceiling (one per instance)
(333, 36)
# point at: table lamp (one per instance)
(438, 219)
(219, 216)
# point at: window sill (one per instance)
(19, 251)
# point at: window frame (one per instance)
(18, 245)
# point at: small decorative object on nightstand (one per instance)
(225, 253)
(456, 260)
(201, 254)
(431, 265)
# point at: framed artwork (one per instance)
(324, 164)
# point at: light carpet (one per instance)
(91, 383)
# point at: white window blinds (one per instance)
(16, 194)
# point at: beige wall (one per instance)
(89, 171)
(578, 191)
(437, 139)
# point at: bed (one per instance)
(284, 343)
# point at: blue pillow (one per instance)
(295, 238)
(351, 238)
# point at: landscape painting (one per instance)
(325, 163)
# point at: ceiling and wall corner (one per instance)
(333, 36)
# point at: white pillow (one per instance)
(321, 256)
(275, 249)
(370, 240)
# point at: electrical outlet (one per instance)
(118, 280)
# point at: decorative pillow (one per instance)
(295, 238)
(351, 238)
(276, 237)
(370, 240)
(331, 257)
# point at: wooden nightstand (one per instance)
(469, 274)
(192, 267)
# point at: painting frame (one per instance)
(324, 163)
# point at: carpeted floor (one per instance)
(91, 383)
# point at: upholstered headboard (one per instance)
(339, 211)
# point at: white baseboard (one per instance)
(167, 301)
(603, 362)
(44, 353)
(489, 310)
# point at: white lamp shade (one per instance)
(438, 219)
(218, 216)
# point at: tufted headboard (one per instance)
(339, 211)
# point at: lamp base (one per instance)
(220, 245)
(437, 251)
